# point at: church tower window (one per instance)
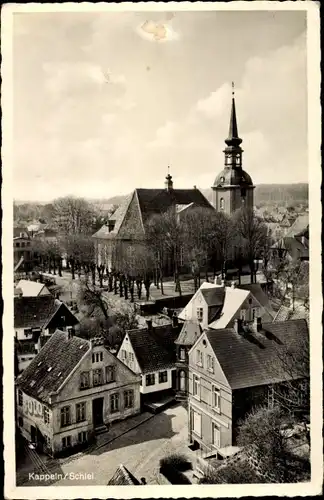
(221, 204)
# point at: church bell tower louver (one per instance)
(233, 187)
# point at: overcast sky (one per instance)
(102, 106)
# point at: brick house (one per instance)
(35, 320)
(72, 389)
(230, 371)
(150, 352)
(217, 306)
(127, 225)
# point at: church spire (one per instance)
(233, 138)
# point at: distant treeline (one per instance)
(281, 193)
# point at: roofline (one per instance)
(76, 366)
(124, 365)
(59, 305)
(199, 338)
(127, 332)
(140, 211)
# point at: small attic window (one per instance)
(222, 179)
(81, 346)
(59, 374)
(32, 383)
(204, 342)
(50, 368)
(39, 363)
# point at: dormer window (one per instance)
(222, 180)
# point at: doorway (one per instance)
(97, 412)
(174, 379)
(33, 434)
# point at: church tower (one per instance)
(233, 187)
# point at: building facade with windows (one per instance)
(73, 389)
(151, 353)
(233, 369)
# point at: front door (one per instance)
(174, 379)
(97, 412)
(33, 434)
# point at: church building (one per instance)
(232, 190)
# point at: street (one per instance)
(140, 450)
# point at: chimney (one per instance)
(238, 325)
(149, 323)
(233, 284)
(195, 187)
(222, 282)
(143, 480)
(69, 331)
(175, 320)
(257, 325)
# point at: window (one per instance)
(96, 357)
(222, 180)
(221, 204)
(21, 422)
(82, 437)
(242, 314)
(182, 381)
(129, 399)
(216, 435)
(196, 423)
(65, 416)
(17, 244)
(182, 354)
(200, 313)
(80, 410)
(150, 379)
(216, 398)
(20, 398)
(22, 244)
(270, 396)
(163, 377)
(114, 403)
(196, 386)
(84, 380)
(210, 363)
(66, 442)
(254, 313)
(110, 373)
(48, 442)
(27, 332)
(131, 356)
(97, 377)
(199, 357)
(46, 415)
(123, 354)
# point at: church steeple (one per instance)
(233, 138)
(233, 151)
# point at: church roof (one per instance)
(233, 177)
(143, 203)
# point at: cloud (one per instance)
(216, 103)
(157, 32)
(165, 136)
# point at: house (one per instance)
(73, 389)
(32, 288)
(217, 306)
(230, 371)
(127, 224)
(123, 477)
(150, 352)
(35, 319)
(22, 249)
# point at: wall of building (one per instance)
(148, 389)
(127, 355)
(202, 403)
(196, 302)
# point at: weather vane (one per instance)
(232, 88)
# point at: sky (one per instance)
(104, 102)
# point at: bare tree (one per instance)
(253, 234)
(73, 216)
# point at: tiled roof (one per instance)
(261, 297)
(285, 313)
(123, 477)
(190, 332)
(30, 288)
(234, 298)
(52, 365)
(295, 247)
(150, 202)
(246, 358)
(214, 296)
(34, 312)
(152, 354)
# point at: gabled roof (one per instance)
(261, 297)
(34, 312)
(300, 224)
(186, 312)
(52, 365)
(31, 288)
(285, 313)
(234, 298)
(150, 202)
(189, 333)
(214, 296)
(123, 477)
(151, 351)
(246, 358)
